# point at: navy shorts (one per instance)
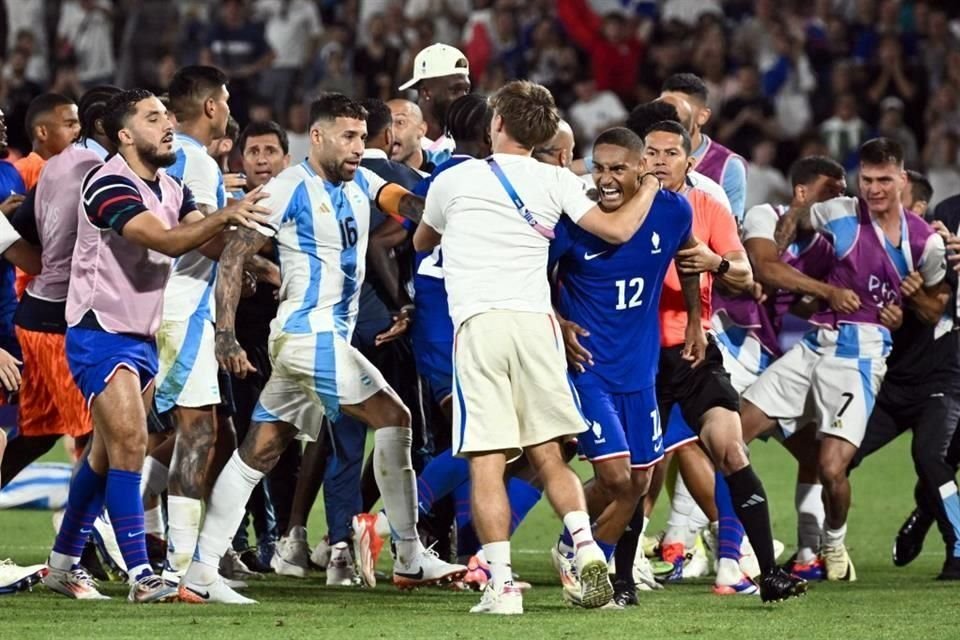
(95, 356)
(621, 425)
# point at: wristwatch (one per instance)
(723, 267)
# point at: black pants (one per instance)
(933, 416)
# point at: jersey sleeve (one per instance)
(735, 186)
(111, 201)
(370, 182)
(563, 240)
(838, 219)
(434, 210)
(189, 204)
(24, 219)
(933, 261)
(287, 199)
(205, 182)
(760, 222)
(573, 195)
(8, 235)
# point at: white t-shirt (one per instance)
(289, 32)
(493, 258)
(91, 34)
(604, 110)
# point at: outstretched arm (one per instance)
(241, 244)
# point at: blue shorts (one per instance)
(435, 364)
(678, 431)
(94, 356)
(621, 425)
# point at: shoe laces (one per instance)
(80, 575)
(152, 581)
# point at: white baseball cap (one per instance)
(436, 61)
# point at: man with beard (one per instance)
(320, 217)
(441, 74)
(135, 220)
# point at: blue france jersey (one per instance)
(613, 291)
(432, 322)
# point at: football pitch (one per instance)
(886, 602)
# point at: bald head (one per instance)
(408, 129)
(559, 150)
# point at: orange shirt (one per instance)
(716, 227)
(29, 168)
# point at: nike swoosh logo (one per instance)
(591, 256)
(86, 531)
(411, 576)
(200, 594)
(134, 534)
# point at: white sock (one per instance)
(393, 470)
(643, 530)
(382, 526)
(680, 523)
(225, 509)
(153, 521)
(183, 527)
(834, 537)
(498, 558)
(62, 562)
(810, 516)
(153, 478)
(728, 572)
(578, 524)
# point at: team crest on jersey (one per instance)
(598, 433)
(655, 240)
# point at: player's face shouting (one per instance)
(615, 172)
(665, 156)
(152, 133)
(339, 147)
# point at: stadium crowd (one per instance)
(689, 225)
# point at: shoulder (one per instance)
(839, 207)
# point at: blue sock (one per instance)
(439, 478)
(523, 497)
(84, 505)
(126, 513)
(731, 531)
(566, 538)
(467, 541)
(607, 549)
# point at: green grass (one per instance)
(886, 602)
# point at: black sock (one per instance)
(626, 550)
(750, 503)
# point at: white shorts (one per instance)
(187, 374)
(510, 384)
(740, 376)
(313, 376)
(838, 393)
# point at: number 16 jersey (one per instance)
(321, 230)
(613, 291)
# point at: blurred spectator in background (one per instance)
(845, 131)
(748, 116)
(293, 30)
(765, 182)
(237, 44)
(891, 126)
(375, 62)
(940, 158)
(594, 110)
(26, 20)
(298, 131)
(85, 34)
(917, 194)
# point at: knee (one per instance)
(641, 481)
(128, 453)
(731, 457)
(615, 481)
(832, 471)
(396, 414)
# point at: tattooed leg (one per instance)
(193, 451)
(264, 443)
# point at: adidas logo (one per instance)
(753, 501)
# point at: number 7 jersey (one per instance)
(321, 231)
(613, 291)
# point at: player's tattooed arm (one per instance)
(262, 269)
(241, 245)
(796, 219)
(397, 201)
(411, 207)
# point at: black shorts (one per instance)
(695, 391)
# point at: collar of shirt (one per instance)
(93, 145)
(374, 154)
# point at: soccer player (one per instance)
(748, 350)
(320, 217)
(187, 385)
(53, 125)
(839, 366)
(136, 219)
(921, 392)
(511, 393)
(50, 405)
(608, 295)
(441, 74)
(713, 159)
